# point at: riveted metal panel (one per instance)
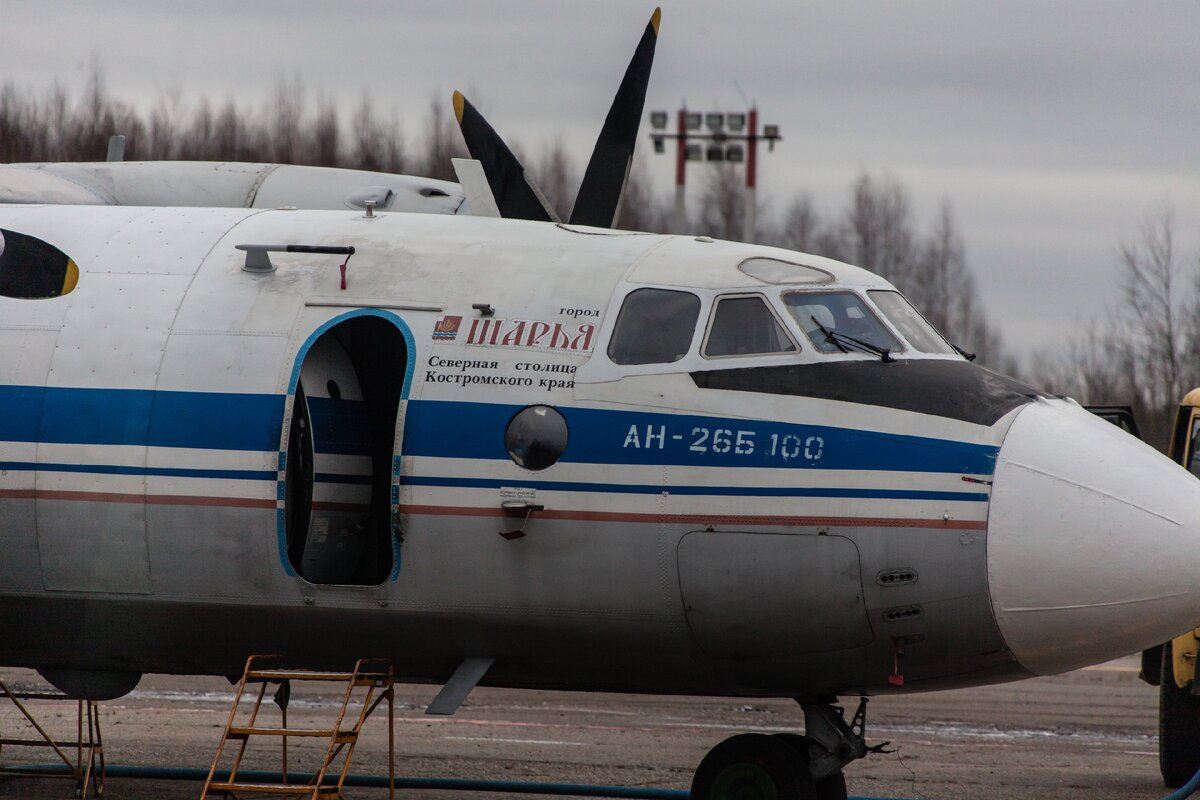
(164, 241)
(22, 315)
(116, 562)
(25, 354)
(753, 594)
(114, 336)
(166, 183)
(116, 332)
(24, 362)
(217, 362)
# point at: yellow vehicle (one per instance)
(1172, 666)
(1179, 701)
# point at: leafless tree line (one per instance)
(1145, 352)
(876, 229)
(54, 126)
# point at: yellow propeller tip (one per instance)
(71, 277)
(459, 101)
(654, 20)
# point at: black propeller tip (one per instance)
(604, 180)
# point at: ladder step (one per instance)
(342, 736)
(44, 743)
(296, 675)
(292, 789)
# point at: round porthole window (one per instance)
(536, 437)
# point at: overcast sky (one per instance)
(1053, 128)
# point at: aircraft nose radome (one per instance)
(1093, 541)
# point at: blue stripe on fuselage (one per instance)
(204, 420)
(449, 429)
(154, 472)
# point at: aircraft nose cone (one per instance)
(1093, 541)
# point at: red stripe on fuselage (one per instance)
(149, 499)
(475, 511)
(700, 519)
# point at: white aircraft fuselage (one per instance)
(472, 450)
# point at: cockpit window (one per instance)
(655, 326)
(906, 319)
(834, 320)
(31, 269)
(745, 326)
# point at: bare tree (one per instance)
(722, 205)
(395, 157)
(325, 147)
(876, 232)
(799, 227)
(640, 210)
(367, 136)
(12, 123)
(197, 142)
(286, 111)
(557, 177)
(1091, 365)
(1155, 298)
(164, 128)
(230, 138)
(442, 142)
(1144, 351)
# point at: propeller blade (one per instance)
(604, 181)
(516, 196)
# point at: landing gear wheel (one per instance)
(831, 787)
(752, 766)
(1178, 727)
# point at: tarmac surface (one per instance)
(1090, 733)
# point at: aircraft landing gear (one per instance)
(787, 766)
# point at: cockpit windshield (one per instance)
(834, 320)
(906, 319)
(744, 326)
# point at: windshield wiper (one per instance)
(842, 340)
(829, 335)
(963, 353)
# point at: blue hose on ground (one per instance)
(381, 782)
(1187, 790)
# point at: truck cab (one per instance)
(1171, 666)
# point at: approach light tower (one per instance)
(723, 141)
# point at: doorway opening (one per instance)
(340, 450)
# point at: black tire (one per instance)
(831, 787)
(1178, 728)
(1151, 671)
(752, 766)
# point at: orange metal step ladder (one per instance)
(87, 768)
(368, 685)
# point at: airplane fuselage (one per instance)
(459, 454)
